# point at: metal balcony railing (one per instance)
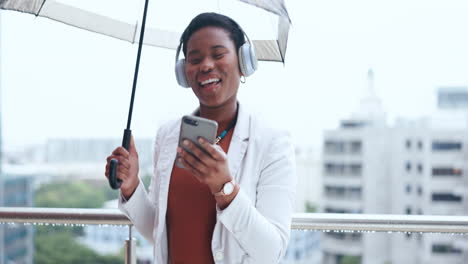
(304, 221)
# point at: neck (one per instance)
(221, 114)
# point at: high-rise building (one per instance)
(452, 98)
(413, 167)
(354, 169)
(18, 239)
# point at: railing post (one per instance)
(130, 248)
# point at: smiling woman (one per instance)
(233, 201)
(212, 69)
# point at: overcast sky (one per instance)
(58, 81)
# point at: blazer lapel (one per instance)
(170, 152)
(239, 142)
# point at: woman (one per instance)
(232, 204)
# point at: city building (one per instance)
(17, 240)
(83, 150)
(354, 169)
(412, 167)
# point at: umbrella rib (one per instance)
(40, 8)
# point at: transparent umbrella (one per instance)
(160, 24)
(265, 21)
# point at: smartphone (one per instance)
(193, 127)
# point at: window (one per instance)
(446, 145)
(334, 169)
(356, 147)
(420, 191)
(408, 144)
(420, 168)
(408, 166)
(353, 169)
(446, 197)
(343, 192)
(445, 249)
(408, 188)
(420, 145)
(408, 210)
(334, 147)
(446, 171)
(342, 147)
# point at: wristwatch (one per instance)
(227, 189)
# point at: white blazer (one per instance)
(255, 227)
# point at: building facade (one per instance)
(18, 239)
(412, 167)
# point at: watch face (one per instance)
(228, 188)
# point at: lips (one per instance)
(209, 84)
(209, 81)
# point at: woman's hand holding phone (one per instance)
(207, 162)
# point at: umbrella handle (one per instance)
(115, 182)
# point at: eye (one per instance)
(218, 55)
(194, 60)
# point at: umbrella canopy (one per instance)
(265, 21)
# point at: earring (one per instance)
(242, 79)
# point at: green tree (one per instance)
(78, 194)
(60, 246)
(350, 260)
(310, 207)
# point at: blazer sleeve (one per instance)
(142, 207)
(263, 227)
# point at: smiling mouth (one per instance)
(209, 81)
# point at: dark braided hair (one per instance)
(216, 20)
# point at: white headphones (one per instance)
(247, 62)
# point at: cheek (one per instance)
(190, 72)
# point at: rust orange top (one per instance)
(191, 216)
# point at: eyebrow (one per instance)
(193, 52)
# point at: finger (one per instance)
(192, 160)
(131, 147)
(106, 171)
(121, 161)
(216, 153)
(120, 151)
(189, 167)
(189, 159)
(123, 173)
(199, 153)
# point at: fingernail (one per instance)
(186, 143)
(179, 150)
(200, 140)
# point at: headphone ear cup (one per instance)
(247, 60)
(180, 73)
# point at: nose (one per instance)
(207, 65)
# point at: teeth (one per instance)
(209, 81)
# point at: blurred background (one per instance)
(375, 94)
